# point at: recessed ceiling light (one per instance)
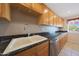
(45, 11)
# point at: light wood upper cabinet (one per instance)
(29, 5)
(43, 19)
(51, 17)
(38, 7)
(46, 18)
(45, 15)
(61, 22)
(5, 12)
(55, 20)
(58, 21)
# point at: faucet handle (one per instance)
(28, 34)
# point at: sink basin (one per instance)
(19, 43)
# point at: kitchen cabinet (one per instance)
(38, 7)
(43, 49)
(5, 11)
(26, 8)
(45, 15)
(28, 5)
(43, 19)
(38, 50)
(60, 43)
(46, 18)
(29, 52)
(59, 22)
(55, 20)
(51, 17)
(62, 22)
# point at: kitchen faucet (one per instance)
(28, 34)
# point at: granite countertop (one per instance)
(13, 48)
(57, 35)
(60, 36)
(3, 45)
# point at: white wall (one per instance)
(22, 23)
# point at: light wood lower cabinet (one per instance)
(60, 43)
(38, 50)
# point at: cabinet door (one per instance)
(57, 46)
(43, 49)
(59, 21)
(50, 17)
(63, 41)
(62, 22)
(5, 11)
(29, 5)
(38, 7)
(60, 43)
(43, 19)
(29, 52)
(55, 20)
(0, 10)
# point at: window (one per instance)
(73, 25)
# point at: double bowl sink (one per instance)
(19, 43)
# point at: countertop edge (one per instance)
(61, 36)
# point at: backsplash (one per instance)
(23, 24)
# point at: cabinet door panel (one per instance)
(43, 49)
(0, 10)
(60, 43)
(5, 11)
(29, 52)
(50, 17)
(37, 7)
(29, 5)
(43, 53)
(43, 19)
(55, 21)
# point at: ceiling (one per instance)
(65, 10)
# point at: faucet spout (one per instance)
(28, 34)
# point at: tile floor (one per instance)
(71, 48)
